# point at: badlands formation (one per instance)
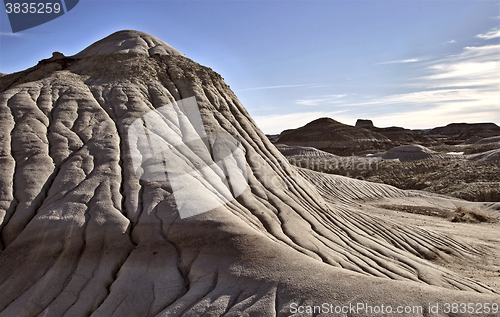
(460, 160)
(85, 233)
(364, 138)
(332, 136)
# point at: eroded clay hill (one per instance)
(332, 136)
(465, 131)
(83, 235)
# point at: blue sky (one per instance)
(416, 64)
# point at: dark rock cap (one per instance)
(364, 123)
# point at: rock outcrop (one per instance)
(332, 136)
(364, 123)
(490, 140)
(129, 42)
(410, 153)
(342, 139)
(83, 233)
(489, 156)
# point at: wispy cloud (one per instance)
(449, 42)
(475, 67)
(445, 113)
(276, 87)
(414, 99)
(491, 34)
(10, 34)
(403, 61)
(329, 99)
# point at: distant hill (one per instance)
(343, 139)
(464, 131)
(396, 134)
(332, 136)
(327, 130)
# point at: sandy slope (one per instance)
(385, 202)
